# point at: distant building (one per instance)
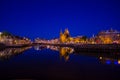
(64, 36)
(10, 39)
(114, 34)
(109, 36)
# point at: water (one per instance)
(58, 63)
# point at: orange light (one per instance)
(118, 61)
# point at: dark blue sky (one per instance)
(45, 18)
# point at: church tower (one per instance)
(66, 33)
(62, 37)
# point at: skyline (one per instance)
(62, 31)
(45, 19)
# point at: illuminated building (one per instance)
(109, 36)
(66, 33)
(10, 39)
(64, 36)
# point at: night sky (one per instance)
(45, 18)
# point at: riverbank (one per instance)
(77, 47)
(89, 47)
(2, 46)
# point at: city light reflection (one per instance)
(65, 53)
(9, 52)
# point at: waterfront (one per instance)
(60, 39)
(58, 63)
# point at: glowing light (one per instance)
(118, 61)
(115, 62)
(100, 57)
(108, 62)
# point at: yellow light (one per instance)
(118, 61)
(100, 57)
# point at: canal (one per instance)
(58, 63)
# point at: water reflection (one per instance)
(9, 52)
(65, 52)
(109, 60)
